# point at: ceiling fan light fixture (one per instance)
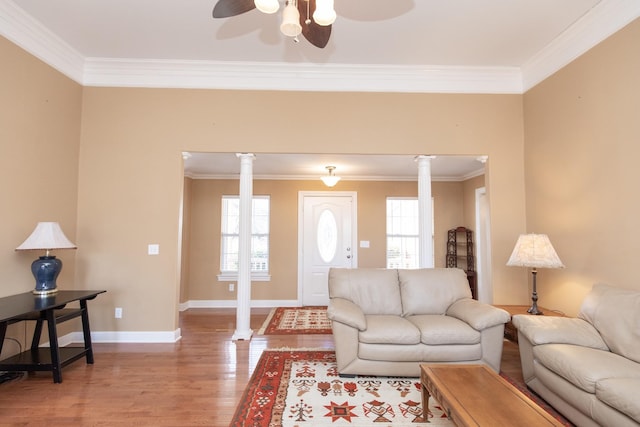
(331, 179)
(267, 6)
(291, 20)
(324, 14)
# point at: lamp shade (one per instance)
(291, 20)
(267, 6)
(536, 251)
(324, 14)
(47, 236)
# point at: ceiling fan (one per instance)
(311, 18)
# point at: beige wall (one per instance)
(126, 172)
(131, 170)
(469, 200)
(185, 229)
(582, 132)
(206, 194)
(39, 143)
(116, 152)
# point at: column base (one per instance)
(242, 335)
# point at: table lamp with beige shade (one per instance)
(534, 251)
(47, 236)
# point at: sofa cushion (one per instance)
(344, 311)
(621, 394)
(431, 290)
(478, 315)
(437, 329)
(420, 353)
(374, 290)
(583, 366)
(559, 330)
(386, 329)
(615, 313)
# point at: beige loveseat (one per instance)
(588, 367)
(386, 322)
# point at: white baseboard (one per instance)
(166, 336)
(233, 304)
(123, 337)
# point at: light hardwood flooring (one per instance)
(197, 381)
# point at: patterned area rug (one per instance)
(302, 388)
(296, 320)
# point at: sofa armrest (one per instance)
(558, 330)
(478, 315)
(344, 311)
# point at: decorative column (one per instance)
(425, 211)
(243, 311)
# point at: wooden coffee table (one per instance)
(474, 395)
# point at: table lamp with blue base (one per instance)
(47, 236)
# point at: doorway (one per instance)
(327, 232)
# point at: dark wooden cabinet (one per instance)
(460, 254)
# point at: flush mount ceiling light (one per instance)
(331, 179)
(311, 18)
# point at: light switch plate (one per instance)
(154, 249)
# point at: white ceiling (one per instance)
(482, 46)
(384, 32)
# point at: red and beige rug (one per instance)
(296, 320)
(302, 388)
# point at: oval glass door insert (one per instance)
(327, 235)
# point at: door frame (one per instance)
(354, 229)
(483, 247)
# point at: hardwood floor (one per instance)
(196, 381)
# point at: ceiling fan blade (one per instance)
(318, 35)
(228, 8)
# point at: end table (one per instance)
(510, 331)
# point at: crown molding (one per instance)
(600, 22)
(314, 177)
(435, 178)
(300, 77)
(603, 20)
(35, 38)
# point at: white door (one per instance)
(328, 225)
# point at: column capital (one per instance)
(243, 156)
(423, 157)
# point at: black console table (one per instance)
(27, 306)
